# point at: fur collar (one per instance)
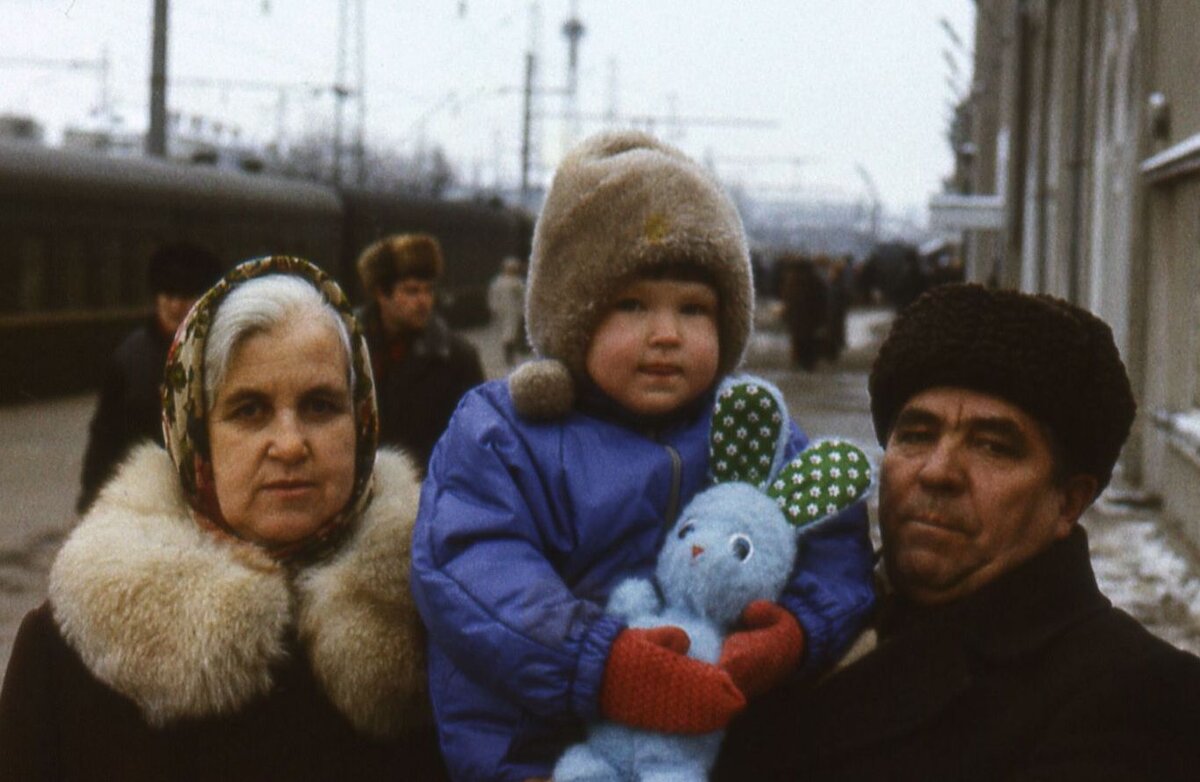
(187, 625)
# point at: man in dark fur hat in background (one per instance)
(422, 368)
(129, 409)
(994, 655)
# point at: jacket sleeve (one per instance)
(486, 589)
(831, 591)
(28, 723)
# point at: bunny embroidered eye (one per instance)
(685, 530)
(741, 546)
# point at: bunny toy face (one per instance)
(730, 547)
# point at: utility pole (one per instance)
(360, 166)
(340, 91)
(873, 194)
(572, 30)
(156, 136)
(527, 126)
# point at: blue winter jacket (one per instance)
(523, 530)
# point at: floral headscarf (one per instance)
(185, 427)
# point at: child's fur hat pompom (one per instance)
(542, 390)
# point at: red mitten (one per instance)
(650, 684)
(761, 655)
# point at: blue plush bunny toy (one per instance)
(734, 543)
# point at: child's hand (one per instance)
(760, 656)
(650, 684)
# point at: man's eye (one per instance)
(912, 436)
(998, 447)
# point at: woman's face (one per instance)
(282, 433)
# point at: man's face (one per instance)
(967, 492)
(171, 309)
(409, 306)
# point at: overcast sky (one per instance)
(806, 91)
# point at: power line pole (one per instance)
(360, 168)
(527, 127)
(340, 91)
(156, 136)
(572, 30)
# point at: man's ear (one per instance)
(1077, 493)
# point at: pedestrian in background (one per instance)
(805, 294)
(128, 410)
(994, 655)
(422, 368)
(506, 300)
(236, 607)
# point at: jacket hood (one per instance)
(189, 625)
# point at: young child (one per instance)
(547, 491)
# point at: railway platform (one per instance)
(1142, 565)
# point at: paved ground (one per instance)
(1141, 565)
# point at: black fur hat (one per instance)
(1054, 360)
(182, 269)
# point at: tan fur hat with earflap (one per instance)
(623, 203)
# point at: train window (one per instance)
(104, 271)
(70, 292)
(137, 259)
(33, 259)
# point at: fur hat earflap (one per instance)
(624, 203)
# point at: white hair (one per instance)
(259, 305)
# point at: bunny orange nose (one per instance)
(697, 551)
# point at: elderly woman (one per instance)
(237, 607)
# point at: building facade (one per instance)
(1086, 123)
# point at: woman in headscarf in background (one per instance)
(237, 607)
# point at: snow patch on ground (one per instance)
(1146, 573)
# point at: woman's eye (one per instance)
(686, 530)
(323, 406)
(741, 546)
(246, 410)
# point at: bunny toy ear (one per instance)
(823, 480)
(749, 431)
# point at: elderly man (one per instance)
(994, 654)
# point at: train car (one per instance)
(475, 236)
(76, 232)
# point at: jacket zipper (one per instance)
(676, 478)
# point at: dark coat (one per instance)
(418, 394)
(164, 653)
(1036, 676)
(129, 409)
(58, 722)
